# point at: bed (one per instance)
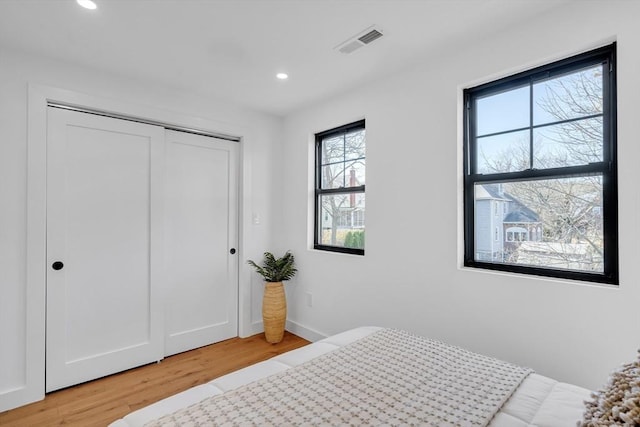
(509, 396)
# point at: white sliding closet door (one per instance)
(104, 246)
(201, 235)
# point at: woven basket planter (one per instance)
(274, 311)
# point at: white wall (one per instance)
(260, 134)
(411, 275)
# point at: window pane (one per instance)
(553, 223)
(333, 176)
(571, 96)
(342, 220)
(502, 112)
(568, 144)
(355, 173)
(508, 152)
(332, 150)
(354, 144)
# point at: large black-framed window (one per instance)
(340, 189)
(540, 171)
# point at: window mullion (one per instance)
(344, 159)
(531, 124)
(573, 171)
(341, 190)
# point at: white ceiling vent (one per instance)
(361, 39)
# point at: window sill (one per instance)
(528, 277)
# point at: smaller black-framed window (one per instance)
(340, 189)
(543, 143)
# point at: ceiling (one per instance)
(232, 49)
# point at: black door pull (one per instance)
(57, 265)
(232, 251)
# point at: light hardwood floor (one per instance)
(99, 402)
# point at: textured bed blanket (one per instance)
(388, 378)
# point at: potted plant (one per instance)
(274, 303)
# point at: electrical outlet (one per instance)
(309, 299)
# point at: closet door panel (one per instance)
(104, 225)
(201, 230)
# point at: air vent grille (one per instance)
(370, 36)
(359, 40)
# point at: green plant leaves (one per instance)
(276, 269)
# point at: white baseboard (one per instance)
(293, 327)
(304, 332)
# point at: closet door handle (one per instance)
(57, 265)
(232, 251)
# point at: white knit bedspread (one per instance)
(390, 377)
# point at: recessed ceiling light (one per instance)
(87, 4)
(282, 76)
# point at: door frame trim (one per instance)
(39, 98)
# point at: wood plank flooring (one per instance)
(99, 402)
